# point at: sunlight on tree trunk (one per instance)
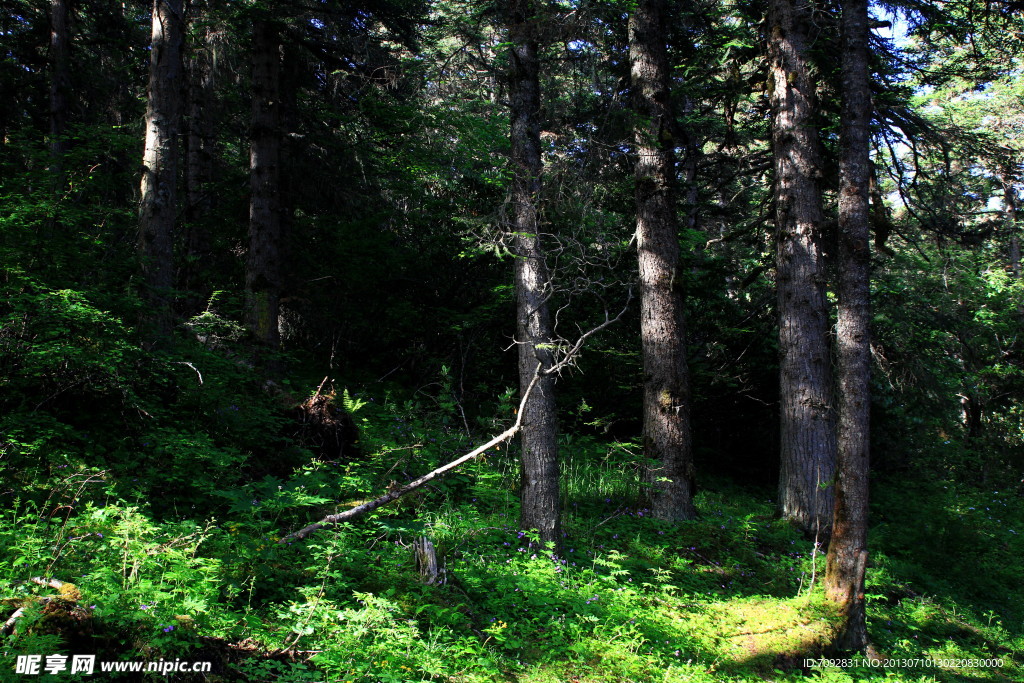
(666, 408)
(807, 425)
(158, 205)
(539, 438)
(847, 553)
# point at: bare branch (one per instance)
(571, 354)
(9, 624)
(360, 510)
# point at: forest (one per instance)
(527, 341)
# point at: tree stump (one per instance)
(426, 561)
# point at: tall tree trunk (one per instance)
(199, 144)
(662, 326)
(158, 203)
(848, 552)
(263, 265)
(60, 87)
(534, 334)
(808, 445)
(1012, 217)
(1010, 209)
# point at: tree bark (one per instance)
(1010, 199)
(60, 87)
(263, 264)
(539, 439)
(807, 424)
(847, 553)
(199, 143)
(158, 203)
(1010, 209)
(426, 561)
(667, 442)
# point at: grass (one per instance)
(733, 596)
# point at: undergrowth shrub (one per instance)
(137, 587)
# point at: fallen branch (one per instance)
(361, 510)
(68, 591)
(8, 626)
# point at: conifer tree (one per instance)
(158, 205)
(807, 423)
(666, 408)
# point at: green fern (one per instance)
(351, 404)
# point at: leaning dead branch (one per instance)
(372, 505)
(566, 357)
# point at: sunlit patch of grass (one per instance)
(638, 669)
(593, 471)
(726, 598)
(764, 633)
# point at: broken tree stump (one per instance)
(426, 561)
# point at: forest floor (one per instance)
(733, 596)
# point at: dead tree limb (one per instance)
(567, 357)
(361, 510)
(8, 626)
(68, 592)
